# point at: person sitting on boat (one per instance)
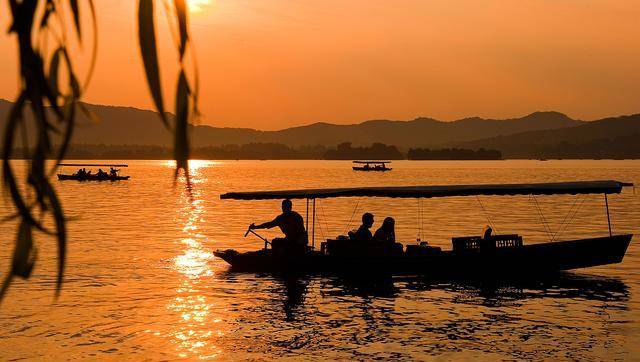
(292, 226)
(386, 233)
(363, 233)
(113, 172)
(487, 243)
(101, 173)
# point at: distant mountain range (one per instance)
(528, 136)
(615, 137)
(419, 132)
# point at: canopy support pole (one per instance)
(307, 217)
(313, 226)
(606, 204)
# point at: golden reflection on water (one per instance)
(142, 285)
(193, 331)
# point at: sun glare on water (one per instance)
(196, 6)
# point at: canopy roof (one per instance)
(556, 188)
(94, 164)
(371, 161)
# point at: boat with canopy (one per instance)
(371, 166)
(470, 255)
(83, 175)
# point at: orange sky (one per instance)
(270, 64)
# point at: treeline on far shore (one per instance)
(453, 154)
(620, 148)
(276, 151)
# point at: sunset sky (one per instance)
(270, 64)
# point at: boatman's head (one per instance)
(287, 205)
(367, 219)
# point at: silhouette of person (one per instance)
(487, 243)
(386, 233)
(292, 226)
(113, 171)
(363, 233)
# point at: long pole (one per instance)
(307, 217)
(313, 228)
(606, 204)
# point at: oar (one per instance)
(249, 230)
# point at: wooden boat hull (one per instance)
(92, 178)
(528, 259)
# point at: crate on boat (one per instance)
(470, 243)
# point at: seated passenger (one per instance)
(386, 233)
(363, 233)
(487, 243)
(487, 232)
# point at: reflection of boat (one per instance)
(502, 254)
(372, 166)
(114, 175)
(561, 285)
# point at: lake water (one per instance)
(142, 282)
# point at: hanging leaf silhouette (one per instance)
(181, 142)
(54, 114)
(181, 13)
(147, 39)
(75, 9)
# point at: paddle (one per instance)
(249, 230)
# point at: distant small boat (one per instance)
(113, 175)
(372, 166)
(92, 177)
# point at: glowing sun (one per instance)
(196, 6)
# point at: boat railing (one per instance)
(468, 243)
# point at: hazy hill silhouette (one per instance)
(418, 132)
(125, 125)
(609, 137)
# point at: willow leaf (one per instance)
(181, 142)
(24, 252)
(75, 9)
(147, 39)
(94, 51)
(181, 13)
(53, 72)
(15, 117)
(49, 9)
